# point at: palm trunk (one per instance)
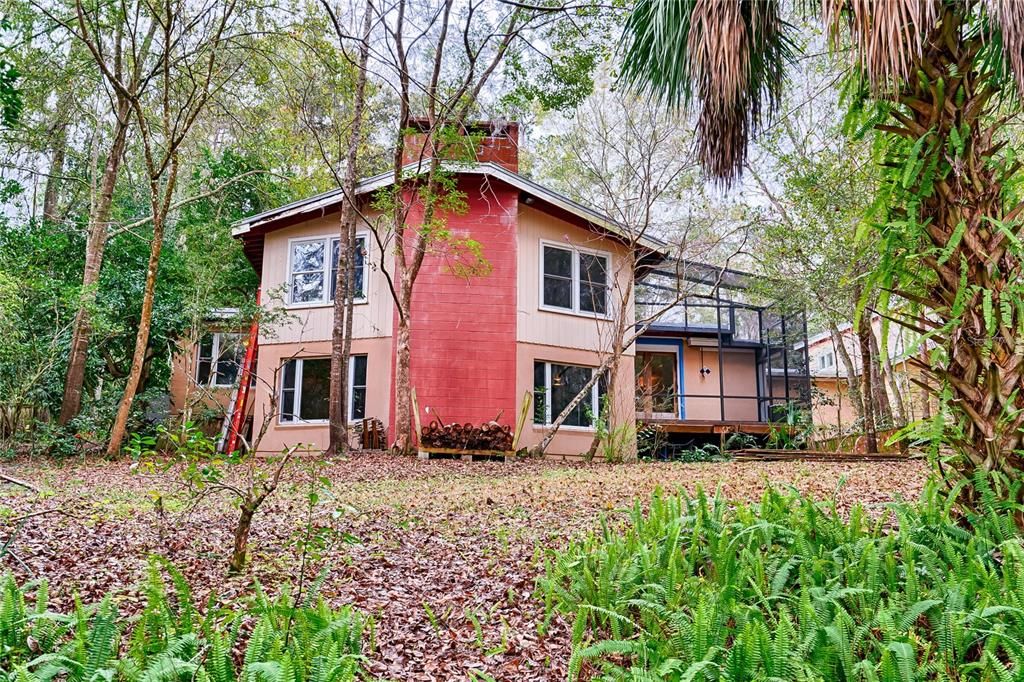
(972, 290)
(95, 244)
(883, 408)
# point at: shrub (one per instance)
(172, 641)
(704, 589)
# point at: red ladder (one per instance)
(241, 397)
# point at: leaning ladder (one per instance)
(234, 420)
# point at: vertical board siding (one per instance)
(304, 324)
(566, 330)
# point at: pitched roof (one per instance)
(330, 200)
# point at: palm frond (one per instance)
(728, 56)
(1007, 17)
(888, 36)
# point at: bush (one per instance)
(172, 641)
(787, 589)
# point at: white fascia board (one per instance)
(321, 202)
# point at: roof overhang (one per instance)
(331, 201)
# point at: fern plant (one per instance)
(699, 588)
(174, 641)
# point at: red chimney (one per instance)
(498, 143)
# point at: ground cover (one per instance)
(443, 555)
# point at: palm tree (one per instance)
(938, 81)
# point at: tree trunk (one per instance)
(403, 387)
(341, 338)
(883, 409)
(117, 432)
(95, 244)
(52, 193)
(864, 339)
(852, 380)
(236, 564)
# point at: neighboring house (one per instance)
(532, 329)
(833, 411)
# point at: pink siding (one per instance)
(315, 435)
(740, 377)
(464, 330)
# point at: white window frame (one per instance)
(328, 241)
(213, 381)
(352, 384)
(576, 251)
(827, 360)
(595, 396)
(297, 392)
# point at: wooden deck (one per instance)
(701, 426)
(766, 455)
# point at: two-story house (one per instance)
(533, 328)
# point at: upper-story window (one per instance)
(573, 280)
(220, 358)
(827, 360)
(312, 275)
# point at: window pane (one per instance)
(335, 253)
(287, 405)
(593, 269)
(557, 262)
(316, 383)
(593, 298)
(203, 373)
(359, 403)
(308, 287)
(358, 265)
(359, 370)
(206, 347)
(360, 268)
(539, 393)
(287, 399)
(558, 292)
(566, 382)
(229, 361)
(307, 256)
(593, 283)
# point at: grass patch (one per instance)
(701, 588)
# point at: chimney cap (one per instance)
(494, 127)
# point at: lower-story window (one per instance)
(306, 389)
(556, 385)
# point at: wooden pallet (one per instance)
(766, 455)
(466, 455)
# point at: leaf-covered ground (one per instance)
(443, 554)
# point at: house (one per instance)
(833, 411)
(532, 329)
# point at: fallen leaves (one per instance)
(442, 553)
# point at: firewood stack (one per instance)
(488, 436)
